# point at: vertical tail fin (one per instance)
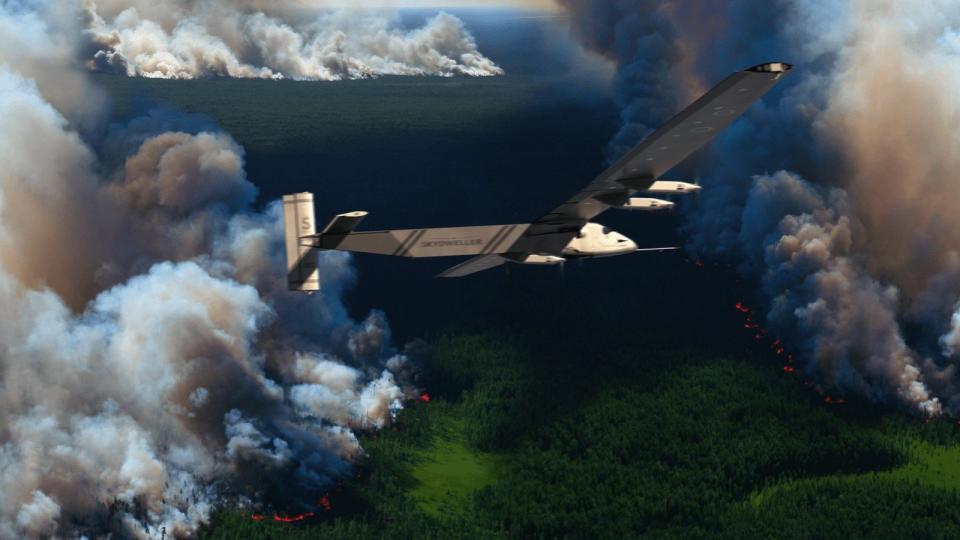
(302, 273)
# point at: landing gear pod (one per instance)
(672, 188)
(646, 205)
(298, 222)
(536, 258)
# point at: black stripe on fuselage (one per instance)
(502, 238)
(493, 241)
(403, 244)
(416, 239)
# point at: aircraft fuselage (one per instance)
(595, 240)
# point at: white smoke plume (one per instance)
(841, 317)
(860, 238)
(179, 39)
(152, 365)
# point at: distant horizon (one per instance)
(520, 5)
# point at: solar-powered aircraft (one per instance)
(564, 233)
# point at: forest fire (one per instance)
(425, 397)
(778, 349)
(282, 518)
(293, 519)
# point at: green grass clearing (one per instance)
(448, 472)
(929, 464)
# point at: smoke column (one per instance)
(834, 194)
(153, 366)
(181, 39)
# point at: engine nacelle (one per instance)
(534, 258)
(669, 187)
(647, 205)
(595, 240)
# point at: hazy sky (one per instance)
(478, 3)
(542, 4)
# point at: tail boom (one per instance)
(436, 242)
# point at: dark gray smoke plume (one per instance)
(186, 39)
(152, 364)
(857, 235)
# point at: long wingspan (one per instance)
(666, 147)
(548, 240)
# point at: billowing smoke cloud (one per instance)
(152, 364)
(855, 240)
(179, 39)
(841, 318)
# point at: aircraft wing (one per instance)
(544, 240)
(662, 150)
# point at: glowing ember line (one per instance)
(283, 519)
(291, 519)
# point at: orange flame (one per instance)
(425, 397)
(292, 519)
(283, 519)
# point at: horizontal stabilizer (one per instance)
(344, 223)
(474, 265)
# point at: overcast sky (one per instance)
(541, 4)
